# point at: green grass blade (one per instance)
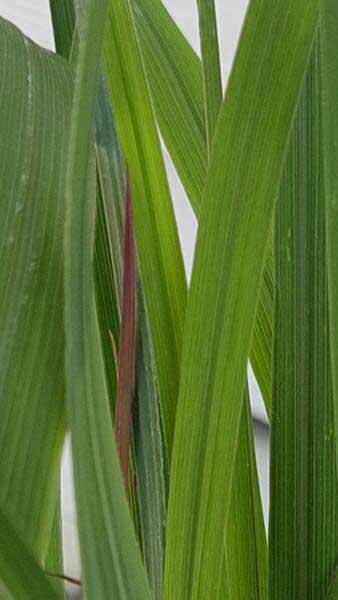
(111, 560)
(303, 533)
(245, 566)
(175, 76)
(54, 560)
(149, 459)
(63, 19)
(19, 570)
(176, 81)
(35, 114)
(160, 258)
(246, 547)
(329, 40)
(211, 65)
(233, 234)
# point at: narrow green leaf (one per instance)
(329, 60)
(175, 77)
(35, 114)
(161, 264)
(211, 65)
(303, 533)
(111, 560)
(236, 214)
(54, 560)
(63, 19)
(246, 547)
(19, 570)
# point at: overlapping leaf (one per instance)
(176, 81)
(161, 264)
(235, 220)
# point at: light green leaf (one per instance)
(211, 66)
(303, 530)
(246, 547)
(236, 214)
(19, 570)
(176, 82)
(111, 560)
(245, 564)
(35, 115)
(161, 264)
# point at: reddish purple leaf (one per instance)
(126, 353)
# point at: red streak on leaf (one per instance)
(126, 353)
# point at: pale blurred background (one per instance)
(33, 18)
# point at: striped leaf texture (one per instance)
(303, 528)
(329, 79)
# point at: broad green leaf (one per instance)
(176, 82)
(19, 571)
(35, 112)
(329, 69)
(160, 259)
(211, 65)
(236, 214)
(111, 560)
(303, 530)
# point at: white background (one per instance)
(33, 17)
